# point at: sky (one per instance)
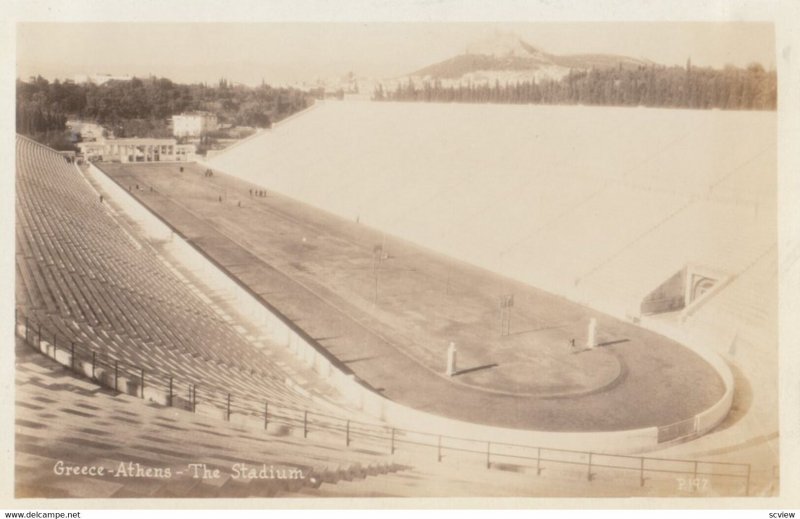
(282, 53)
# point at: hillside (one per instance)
(506, 56)
(505, 69)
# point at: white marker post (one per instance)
(590, 336)
(451, 359)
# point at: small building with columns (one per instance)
(138, 150)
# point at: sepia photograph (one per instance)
(400, 259)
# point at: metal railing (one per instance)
(189, 396)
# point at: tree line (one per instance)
(730, 88)
(144, 105)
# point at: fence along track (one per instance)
(136, 381)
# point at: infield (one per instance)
(388, 309)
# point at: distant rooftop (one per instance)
(195, 113)
(138, 141)
(99, 79)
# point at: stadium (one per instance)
(407, 300)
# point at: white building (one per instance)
(99, 79)
(88, 131)
(138, 150)
(193, 124)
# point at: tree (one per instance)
(687, 87)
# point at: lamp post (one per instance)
(591, 340)
(452, 354)
(506, 303)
